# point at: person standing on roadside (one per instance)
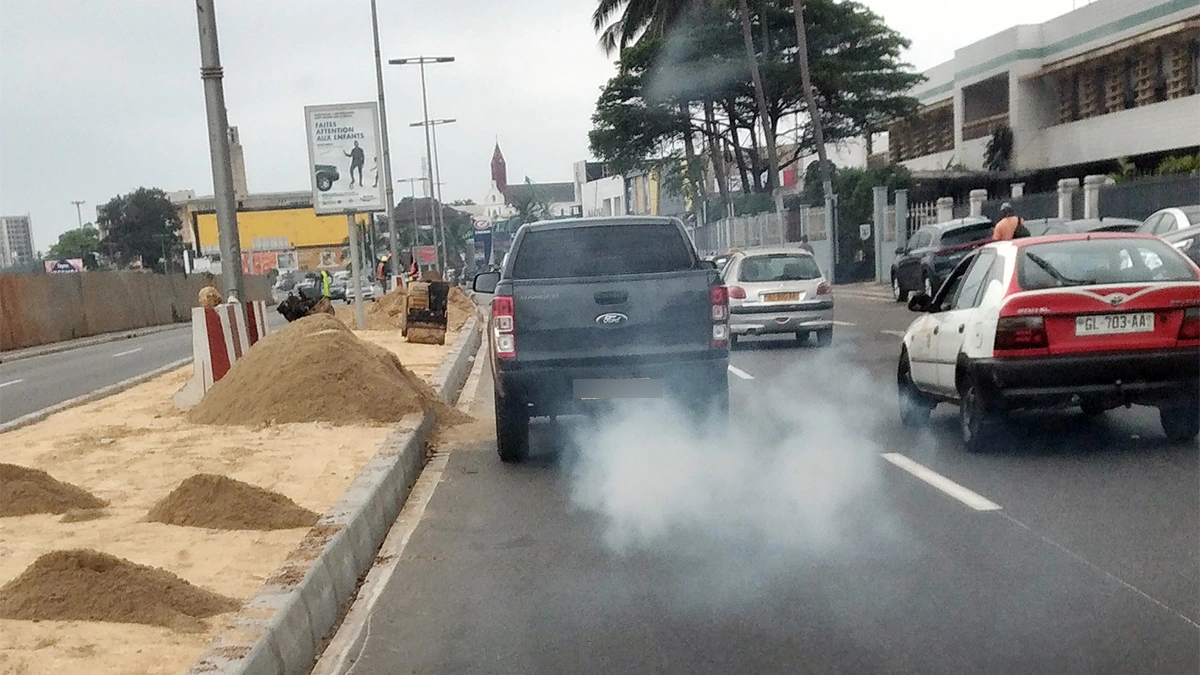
(1010, 225)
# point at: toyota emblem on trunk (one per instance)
(612, 319)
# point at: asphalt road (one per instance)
(28, 385)
(806, 544)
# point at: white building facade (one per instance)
(1114, 78)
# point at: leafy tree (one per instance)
(997, 156)
(142, 225)
(696, 80)
(83, 242)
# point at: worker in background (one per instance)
(1010, 225)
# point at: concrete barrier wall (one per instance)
(43, 309)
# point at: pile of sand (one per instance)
(222, 503)
(386, 313)
(86, 585)
(316, 370)
(25, 491)
(461, 308)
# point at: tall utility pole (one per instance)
(814, 116)
(218, 144)
(393, 245)
(78, 211)
(437, 183)
(421, 61)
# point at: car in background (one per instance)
(1186, 241)
(1103, 225)
(1041, 227)
(932, 253)
(1171, 219)
(777, 291)
(367, 287)
(1090, 320)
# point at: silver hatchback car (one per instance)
(776, 291)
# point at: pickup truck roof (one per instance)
(597, 221)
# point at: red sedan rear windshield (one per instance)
(1100, 261)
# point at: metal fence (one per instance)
(920, 215)
(1138, 199)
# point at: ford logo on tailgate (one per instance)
(612, 319)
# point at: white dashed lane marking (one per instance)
(740, 373)
(937, 480)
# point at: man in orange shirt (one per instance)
(1009, 226)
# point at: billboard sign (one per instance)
(426, 255)
(345, 161)
(64, 266)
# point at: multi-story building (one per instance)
(1112, 79)
(16, 240)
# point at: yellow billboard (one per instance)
(280, 228)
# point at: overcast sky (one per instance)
(99, 98)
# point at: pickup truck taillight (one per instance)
(1190, 329)
(504, 327)
(1021, 332)
(718, 297)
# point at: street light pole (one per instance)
(218, 144)
(431, 125)
(393, 245)
(436, 206)
(78, 211)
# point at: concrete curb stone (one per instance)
(282, 628)
(39, 415)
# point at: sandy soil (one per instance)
(132, 449)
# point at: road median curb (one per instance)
(39, 415)
(283, 628)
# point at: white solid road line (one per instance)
(127, 352)
(740, 373)
(11, 382)
(897, 333)
(843, 323)
(937, 480)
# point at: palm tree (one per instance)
(761, 96)
(638, 18)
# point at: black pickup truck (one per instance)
(594, 309)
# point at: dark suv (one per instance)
(932, 253)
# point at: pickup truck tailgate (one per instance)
(626, 318)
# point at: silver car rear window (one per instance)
(778, 267)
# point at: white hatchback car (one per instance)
(778, 291)
(1090, 320)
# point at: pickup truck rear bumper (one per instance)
(1148, 378)
(550, 390)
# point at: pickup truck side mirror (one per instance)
(920, 302)
(486, 282)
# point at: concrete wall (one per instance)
(1152, 128)
(42, 309)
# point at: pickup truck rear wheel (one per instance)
(1181, 423)
(512, 430)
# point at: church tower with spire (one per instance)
(499, 170)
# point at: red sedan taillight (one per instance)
(718, 297)
(1190, 329)
(1021, 332)
(504, 327)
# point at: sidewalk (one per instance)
(67, 345)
